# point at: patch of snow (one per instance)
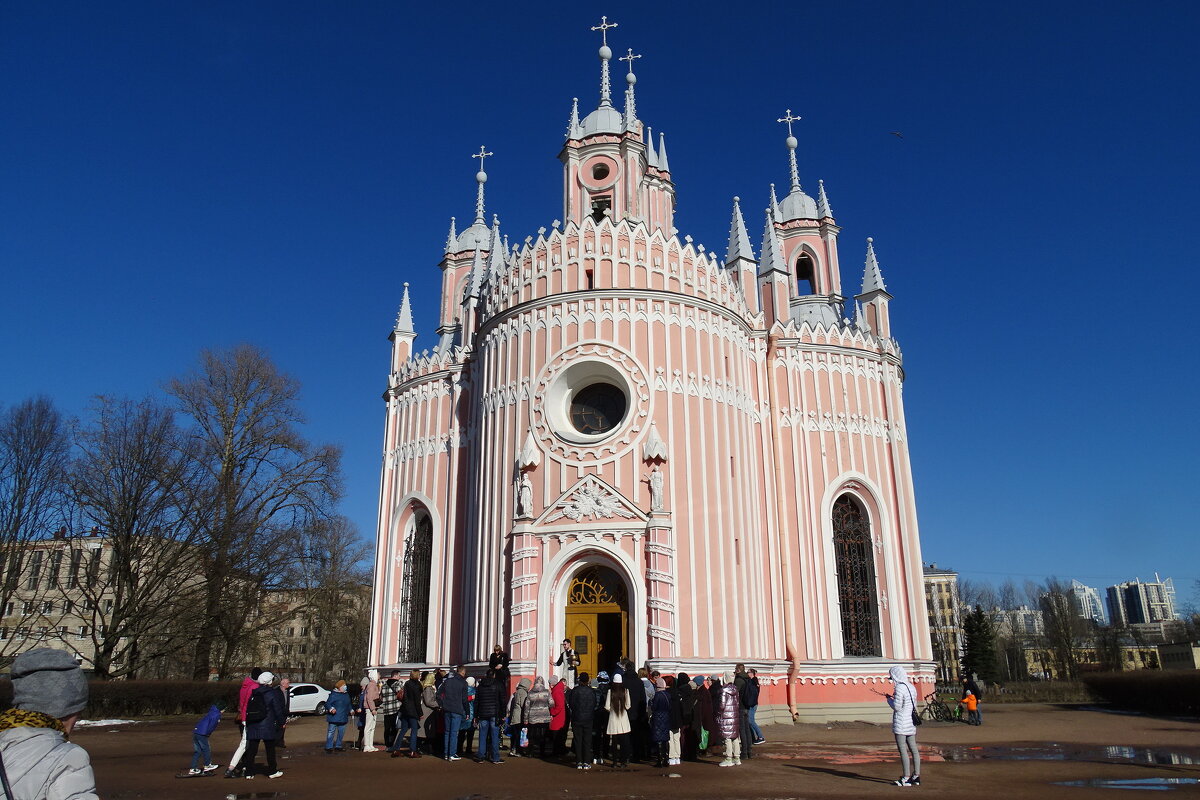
(95, 723)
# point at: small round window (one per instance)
(600, 172)
(598, 408)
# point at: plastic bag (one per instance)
(703, 738)
(524, 738)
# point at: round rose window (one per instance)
(597, 408)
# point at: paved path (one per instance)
(1022, 751)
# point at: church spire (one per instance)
(404, 320)
(662, 153)
(774, 209)
(496, 251)
(791, 146)
(739, 240)
(605, 57)
(823, 209)
(481, 178)
(630, 103)
(573, 131)
(773, 266)
(452, 239)
(872, 277)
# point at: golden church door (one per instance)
(597, 620)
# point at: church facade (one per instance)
(653, 451)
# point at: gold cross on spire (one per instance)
(629, 58)
(789, 119)
(603, 28)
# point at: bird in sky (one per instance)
(897, 134)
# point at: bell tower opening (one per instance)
(805, 282)
(600, 207)
(597, 618)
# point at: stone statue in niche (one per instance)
(525, 496)
(656, 489)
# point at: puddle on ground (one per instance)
(870, 754)
(1146, 784)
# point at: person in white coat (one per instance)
(49, 694)
(903, 701)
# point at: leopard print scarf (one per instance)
(16, 718)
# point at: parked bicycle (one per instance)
(936, 710)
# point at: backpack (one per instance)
(256, 708)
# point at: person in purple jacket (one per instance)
(201, 752)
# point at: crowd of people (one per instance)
(628, 715)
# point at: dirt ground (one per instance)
(1021, 751)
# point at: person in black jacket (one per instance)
(489, 713)
(268, 700)
(600, 719)
(687, 714)
(582, 702)
(410, 716)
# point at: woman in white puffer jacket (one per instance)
(903, 701)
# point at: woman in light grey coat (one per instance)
(903, 701)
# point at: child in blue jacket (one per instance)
(201, 752)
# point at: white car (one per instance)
(307, 698)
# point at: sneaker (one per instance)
(250, 777)
(726, 763)
(586, 766)
(193, 772)
(904, 781)
(211, 767)
(915, 780)
(498, 761)
(276, 774)
(737, 762)
(454, 758)
(759, 741)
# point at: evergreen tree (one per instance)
(979, 646)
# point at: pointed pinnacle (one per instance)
(739, 240)
(823, 209)
(774, 203)
(452, 238)
(404, 320)
(872, 277)
(772, 258)
(573, 131)
(662, 153)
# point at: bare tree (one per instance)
(130, 481)
(262, 484)
(1065, 629)
(34, 454)
(335, 580)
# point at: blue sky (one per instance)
(182, 175)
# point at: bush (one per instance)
(1153, 691)
(1040, 692)
(110, 699)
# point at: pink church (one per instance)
(623, 439)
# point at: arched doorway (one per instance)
(597, 618)
(414, 597)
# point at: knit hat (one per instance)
(617, 678)
(602, 676)
(728, 676)
(660, 684)
(49, 681)
(698, 680)
(470, 682)
(266, 678)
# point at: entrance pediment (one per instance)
(591, 499)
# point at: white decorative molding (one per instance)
(521, 608)
(654, 448)
(525, 552)
(662, 633)
(660, 549)
(660, 604)
(523, 636)
(524, 580)
(531, 455)
(661, 577)
(591, 498)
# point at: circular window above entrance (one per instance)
(597, 408)
(590, 404)
(588, 401)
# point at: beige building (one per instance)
(945, 621)
(1179, 655)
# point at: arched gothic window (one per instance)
(805, 276)
(414, 596)
(854, 556)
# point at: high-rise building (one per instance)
(1086, 600)
(1137, 602)
(626, 442)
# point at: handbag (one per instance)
(916, 718)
